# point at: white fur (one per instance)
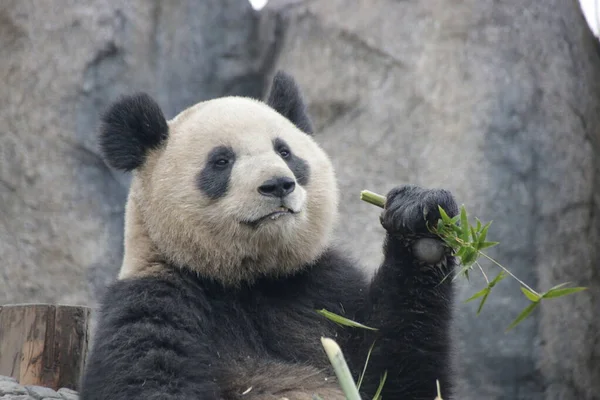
(168, 218)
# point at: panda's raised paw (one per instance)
(409, 208)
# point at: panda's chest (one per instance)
(275, 324)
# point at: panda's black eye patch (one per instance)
(213, 180)
(298, 166)
(221, 162)
(284, 153)
(221, 156)
(282, 148)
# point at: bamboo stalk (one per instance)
(373, 198)
(336, 357)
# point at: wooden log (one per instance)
(44, 344)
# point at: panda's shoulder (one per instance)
(160, 295)
(335, 261)
(336, 270)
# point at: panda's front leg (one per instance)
(408, 302)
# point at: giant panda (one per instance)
(229, 255)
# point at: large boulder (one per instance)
(497, 101)
(61, 64)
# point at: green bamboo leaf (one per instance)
(558, 286)
(453, 244)
(380, 388)
(461, 251)
(483, 233)
(444, 216)
(464, 270)
(362, 375)
(478, 224)
(524, 314)
(342, 321)
(478, 294)
(464, 223)
(552, 293)
(486, 291)
(469, 257)
(530, 295)
(497, 279)
(482, 302)
(473, 233)
(457, 230)
(485, 245)
(440, 226)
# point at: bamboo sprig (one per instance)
(467, 242)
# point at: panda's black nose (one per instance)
(277, 187)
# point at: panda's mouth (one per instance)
(278, 213)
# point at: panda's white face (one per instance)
(243, 162)
(235, 192)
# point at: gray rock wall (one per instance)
(497, 101)
(61, 64)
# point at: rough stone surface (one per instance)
(19, 392)
(11, 387)
(497, 101)
(16, 397)
(61, 64)
(68, 394)
(11, 390)
(40, 392)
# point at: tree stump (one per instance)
(43, 344)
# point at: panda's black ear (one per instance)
(286, 99)
(130, 127)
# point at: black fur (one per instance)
(130, 127)
(184, 337)
(299, 166)
(214, 178)
(419, 207)
(286, 99)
